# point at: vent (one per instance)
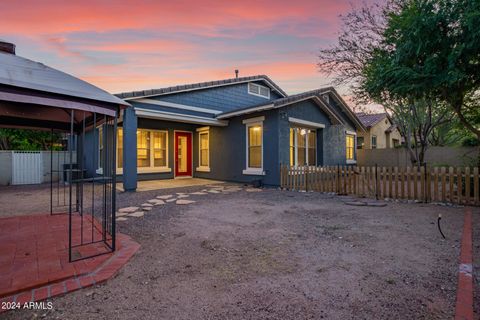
(7, 47)
(326, 97)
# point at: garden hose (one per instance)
(438, 224)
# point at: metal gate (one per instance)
(86, 192)
(27, 167)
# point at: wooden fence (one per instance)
(439, 184)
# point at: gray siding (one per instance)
(228, 150)
(330, 140)
(225, 98)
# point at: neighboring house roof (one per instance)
(200, 86)
(315, 95)
(24, 73)
(371, 119)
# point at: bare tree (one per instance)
(362, 34)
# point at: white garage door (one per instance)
(26, 167)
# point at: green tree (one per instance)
(16, 139)
(430, 50)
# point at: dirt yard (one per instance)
(277, 255)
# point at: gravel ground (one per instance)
(277, 255)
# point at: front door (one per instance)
(183, 154)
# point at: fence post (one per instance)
(376, 182)
(427, 187)
(337, 187)
(306, 178)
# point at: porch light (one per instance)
(303, 132)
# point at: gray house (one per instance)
(238, 129)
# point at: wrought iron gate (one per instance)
(83, 179)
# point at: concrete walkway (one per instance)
(170, 184)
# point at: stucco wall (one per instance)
(59, 158)
(383, 140)
(440, 156)
(5, 167)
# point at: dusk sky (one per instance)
(132, 45)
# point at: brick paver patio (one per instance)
(34, 257)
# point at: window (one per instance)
(152, 150)
(159, 149)
(350, 145)
(254, 146)
(203, 149)
(258, 90)
(396, 143)
(374, 142)
(143, 148)
(311, 147)
(303, 147)
(120, 148)
(100, 150)
(293, 147)
(360, 142)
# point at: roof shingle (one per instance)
(369, 120)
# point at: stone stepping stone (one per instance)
(156, 202)
(199, 193)
(128, 209)
(121, 214)
(147, 208)
(182, 201)
(147, 205)
(183, 196)
(171, 200)
(180, 193)
(213, 191)
(121, 219)
(355, 203)
(253, 190)
(137, 214)
(165, 197)
(376, 204)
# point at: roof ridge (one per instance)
(198, 85)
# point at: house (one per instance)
(381, 132)
(238, 129)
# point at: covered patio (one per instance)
(66, 244)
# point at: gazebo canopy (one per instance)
(34, 95)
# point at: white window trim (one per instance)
(306, 123)
(258, 121)
(295, 137)
(352, 133)
(201, 131)
(257, 94)
(151, 168)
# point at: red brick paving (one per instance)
(34, 258)
(464, 307)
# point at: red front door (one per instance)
(183, 154)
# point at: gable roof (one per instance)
(200, 86)
(371, 119)
(315, 95)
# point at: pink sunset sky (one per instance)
(132, 45)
